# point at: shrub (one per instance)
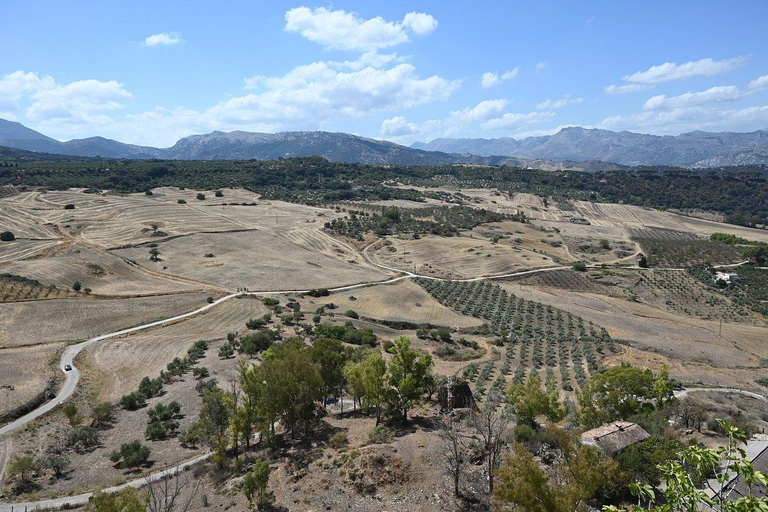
(72, 413)
(77, 286)
(200, 196)
(131, 455)
(352, 314)
(338, 440)
(133, 401)
(150, 387)
(209, 300)
(181, 201)
(69, 207)
(83, 438)
(219, 193)
(580, 266)
(380, 435)
(7, 236)
(148, 193)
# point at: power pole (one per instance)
(721, 327)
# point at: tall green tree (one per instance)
(355, 386)
(256, 485)
(617, 393)
(330, 356)
(213, 424)
(374, 371)
(407, 377)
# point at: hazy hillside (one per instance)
(627, 148)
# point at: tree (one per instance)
(101, 414)
(454, 448)
(757, 255)
(407, 376)
(77, 286)
(131, 455)
(682, 495)
(214, 423)
(529, 400)
(490, 426)
(641, 463)
(374, 370)
(23, 467)
(353, 373)
(83, 438)
(577, 475)
(580, 266)
(127, 499)
(617, 393)
(154, 254)
(662, 387)
(72, 413)
(55, 461)
(329, 355)
(7, 236)
(200, 196)
(292, 385)
(173, 493)
(256, 485)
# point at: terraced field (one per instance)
(403, 301)
(47, 321)
(116, 366)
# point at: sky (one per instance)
(152, 72)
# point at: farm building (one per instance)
(612, 438)
(756, 452)
(726, 276)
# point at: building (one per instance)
(756, 451)
(726, 277)
(613, 438)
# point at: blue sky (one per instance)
(152, 72)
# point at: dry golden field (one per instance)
(48, 321)
(115, 366)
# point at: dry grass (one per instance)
(40, 322)
(403, 301)
(457, 257)
(28, 370)
(254, 259)
(115, 366)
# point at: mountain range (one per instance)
(694, 149)
(570, 148)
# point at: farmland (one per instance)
(140, 257)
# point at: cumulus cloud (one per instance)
(515, 120)
(759, 84)
(342, 30)
(485, 116)
(552, 105)
(692, 99)
(541, 65)
(689, 119)
(398, 126)
(77, 98)
(320, 91)
(624, 89)
(492, 79)
(163, 39)
(671, 71)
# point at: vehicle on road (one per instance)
(67, 367)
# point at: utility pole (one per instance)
(721, 327)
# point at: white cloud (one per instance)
(543, 133)
(759, 84)
(512, 120)
(317, 92)
(458, 122)
(421, 23)
(670, 71)
(164, 39)
(692, 99)
(76, 99)
(512, 73)
(689, 119)
(590, 20)
(624, 89)
(552, 105)
(341, 30)
(541, 65)
(398, 126)
(489, 80)
(492, 79)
